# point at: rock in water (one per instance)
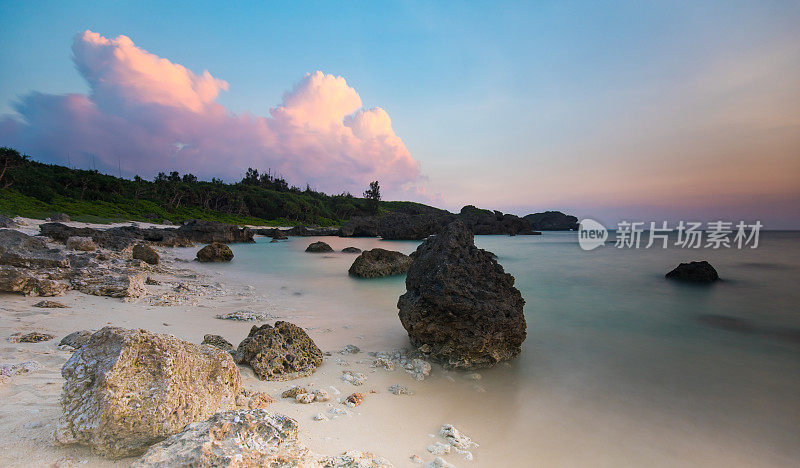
(380, 262)
(460, 303)
(127, 389)
(351, 250)
(241, 438)
(282, 352)
(145, 253)
(318, 247)
(694, 272)
(215, 252)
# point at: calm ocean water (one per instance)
(620, 367)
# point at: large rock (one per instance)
(319, 247)
(211, 231)
(242, 439)
(24, 251)
(125, 390)
(145, 253)
(694, 272)
(282, 352)
(552, 221)
(460, 304)
(125, 284)
(215, 252)
(29, 282)
(360, 226)
(380, 262)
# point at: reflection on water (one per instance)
(621, 367)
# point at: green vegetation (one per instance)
(36, 190)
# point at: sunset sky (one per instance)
(615, 111)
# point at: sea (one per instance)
(621, 367)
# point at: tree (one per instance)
(373, 196)
(174, 176)
(189, 178)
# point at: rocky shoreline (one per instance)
(136, 269)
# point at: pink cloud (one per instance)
(155, 115)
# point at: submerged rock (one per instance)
(242, 439)
(282, 352)
(380, 262)
(215, 252)
(127, 389)
(318, 247)
(694, 272)
(145, 253)
(461, 303)
(351, 250)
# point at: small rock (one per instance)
(304, 398)
(215, 252)
(321, 395)
(293, 392)
(10, 370)
(50, 305)
(217, 342)
(416, 459)
(355, 399)
(439, 462)
(320, 417)
(33, 337)
(438, 448)
(351, 250)
(245, 316)
(150, 281)
(350, 349)
(419, 369)
(456, 438)
(383, 362)
(399, 390)
(336, 412)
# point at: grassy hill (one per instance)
(36, 190)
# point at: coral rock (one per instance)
(282, 352)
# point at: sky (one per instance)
(637, 111)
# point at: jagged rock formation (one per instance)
(282, 352)
(207, 232)
(380, 262)
(118, 238)
(127, 389)
(694, 272)
(360, 226)
(215, 252)
(411, 227)
(552, 221)
(460, 305)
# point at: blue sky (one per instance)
(519, 106)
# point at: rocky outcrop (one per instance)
(486, 222)
(215, 252)
(460, 305)
(145, 253)
(241, 439)
(694, 272)
(118, 238)
(207, 232)
(400, 226)
(298, 231)
(127, 389)
(351, 250)
(29, 267)
(319, 247)
(280, 352)
(84, 244)
(7, 222)
(60, 218)
(360, 226)
(380, 262)
(124, 284)
(552, 221)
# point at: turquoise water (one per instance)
(618, 367)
